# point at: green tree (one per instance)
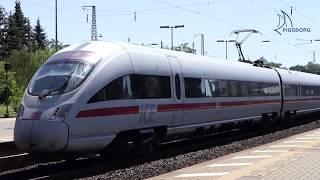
(26, 63)
(13, 91)
(39, 37)
(313, 68)
(299, 68)
(18, 30)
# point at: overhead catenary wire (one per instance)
(171, 6)
(126, 11)
(205, 3)
(200, 14)
(218, 20)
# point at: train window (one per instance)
(254, 89)
(290, 90)
(316, 90)
(234, 89)
(213, 85)
(270, 89)
(263, 89)
(117, 89)
(126, 88)
(59, 77)
(178, 87)
(207, 88)
(150, 86)
(310, 90)
(194, 88)
(244, 89)
(225, 88)
(222, 88)
(307, 91)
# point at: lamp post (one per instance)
(308, 41)
(202, 42)
(172, 27)
(226, 41)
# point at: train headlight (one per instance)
(20, 112)
(61, 112)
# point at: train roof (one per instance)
(108, 48)
(100, 47)
(296, 77)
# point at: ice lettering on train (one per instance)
(146, 112)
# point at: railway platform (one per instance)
(6, 129)
(295, 157)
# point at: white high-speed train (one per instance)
(88, 96)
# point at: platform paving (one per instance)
(296, 157)
(6, 129)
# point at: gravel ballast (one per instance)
(158, 167)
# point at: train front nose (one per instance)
(40, 135)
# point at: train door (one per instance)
(178, 99)
(151, 83)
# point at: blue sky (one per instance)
(216, 19)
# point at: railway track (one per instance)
(10, 156)
(21, 165)
(8, 148)
(28, 168)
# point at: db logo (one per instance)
(35, 115)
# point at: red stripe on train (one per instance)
(163, 108)
(176, 107)
(170, 107)
(301, 100)
(189, 106)
(241, 103)
(108, 111)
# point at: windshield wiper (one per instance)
(59, 89)
(66, 82)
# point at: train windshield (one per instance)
(59, 77)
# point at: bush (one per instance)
(23, 65)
